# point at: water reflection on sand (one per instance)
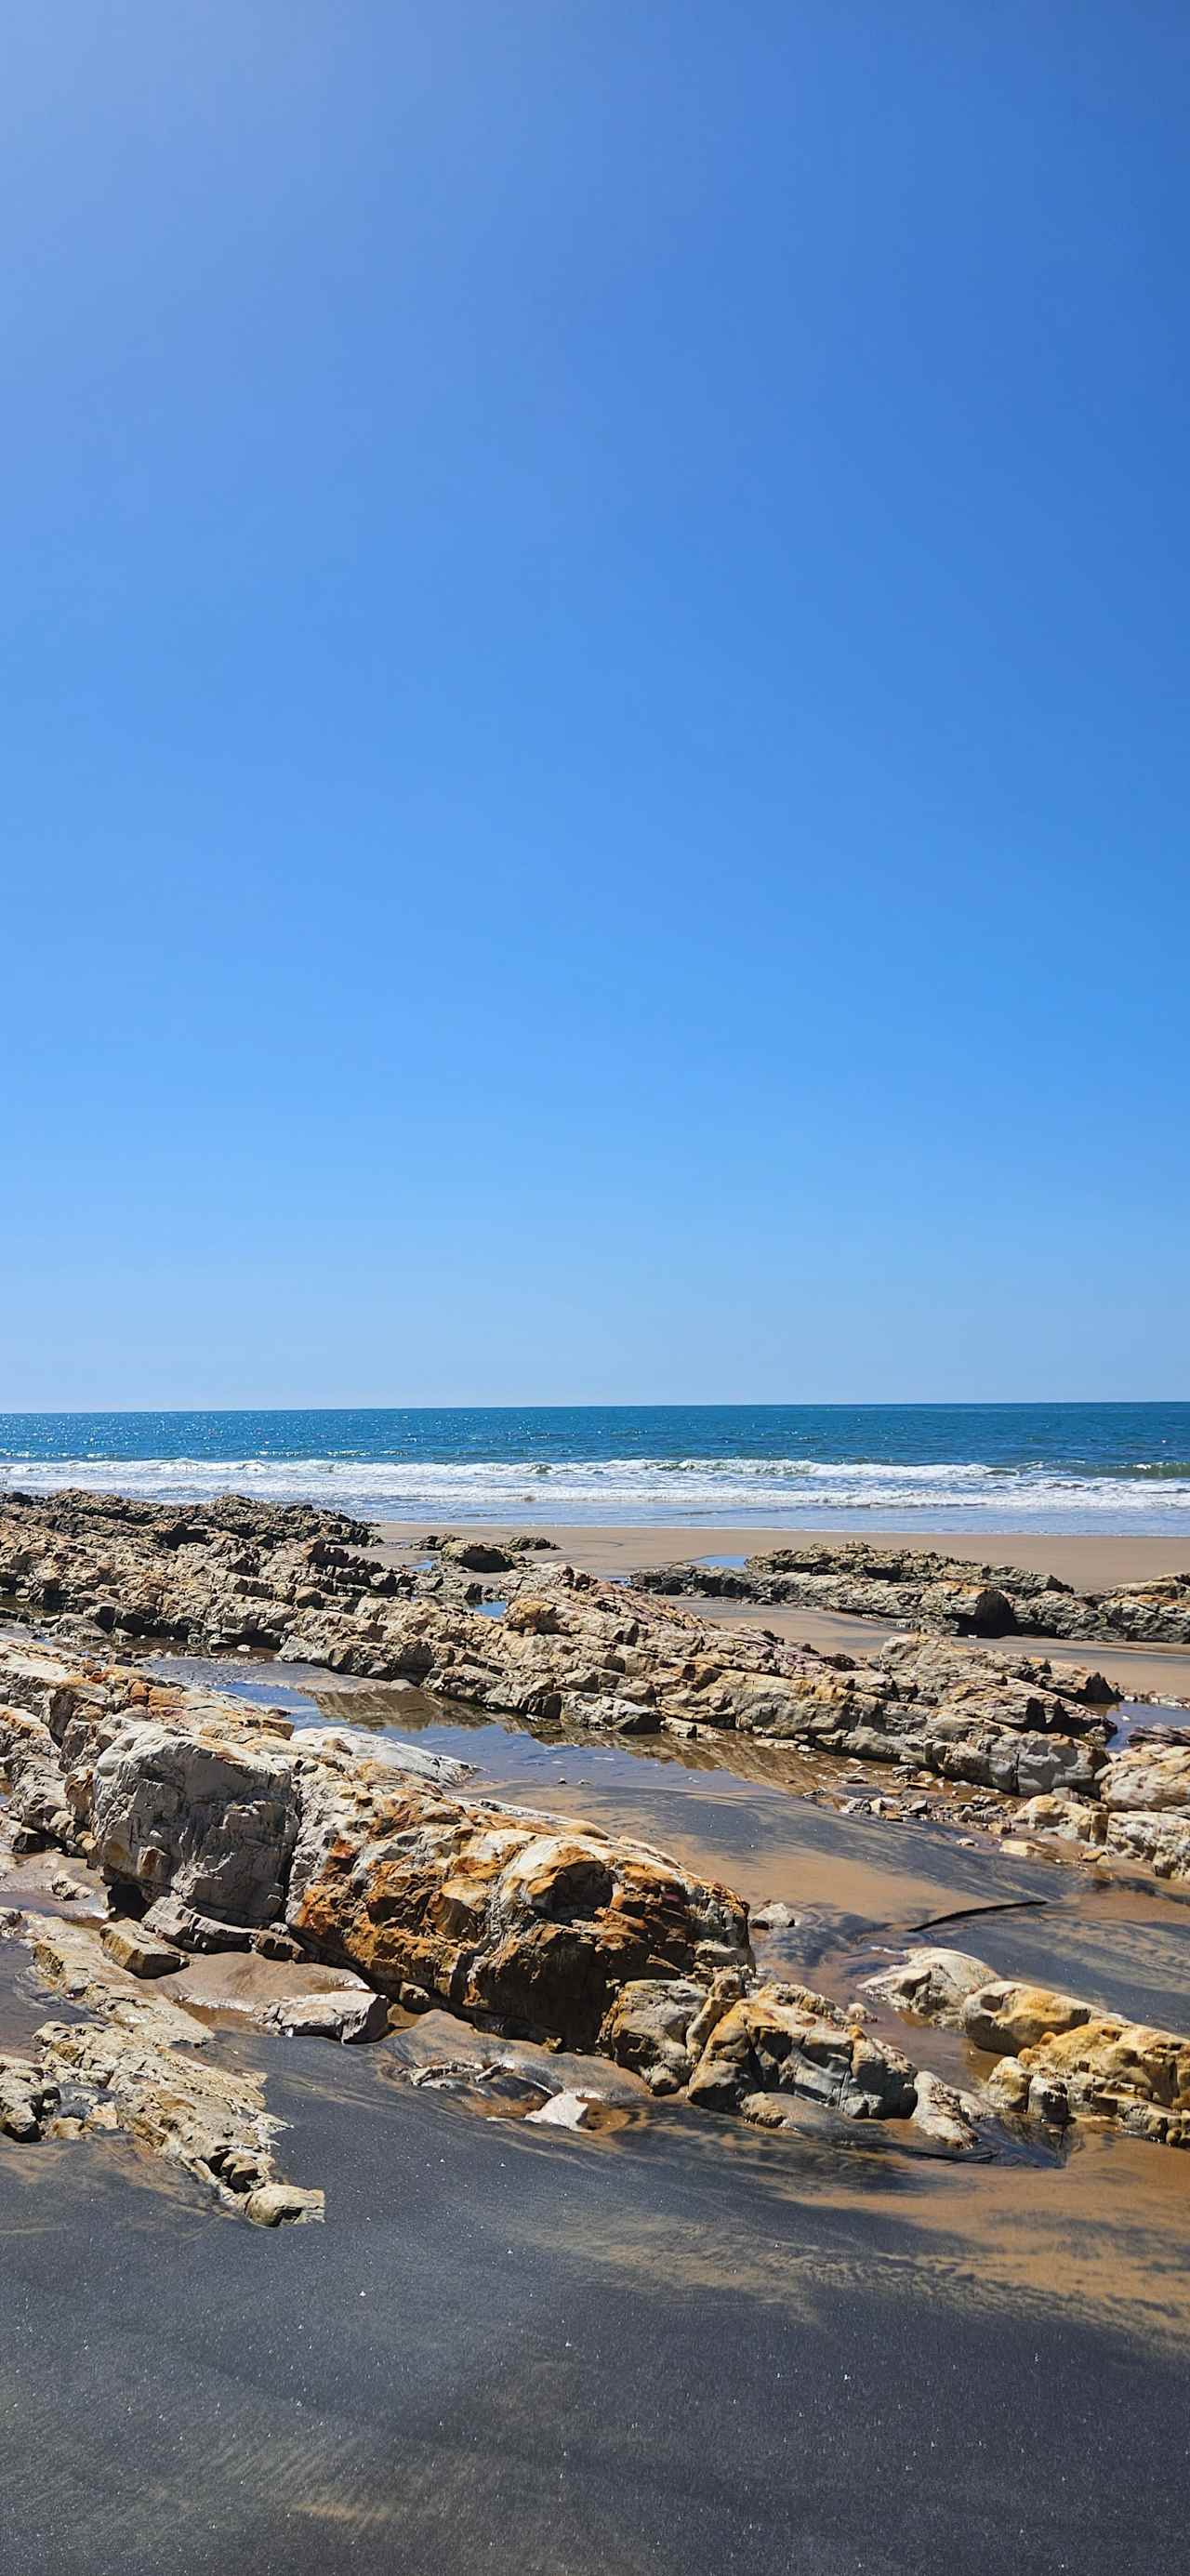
(677, 2344)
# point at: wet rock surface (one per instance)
(570, 1648)
(1060, 2058)
(226, 1835)
(396, 1889)
(136, 2064)
(503, 2077)
(172, 1796)
(570, 1651)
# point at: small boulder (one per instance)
(933, 1983)
(946, 2116)
(345, 2013)
(132, 1947)
(280, 2204)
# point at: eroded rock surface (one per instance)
(541, 1930)
(1061, 2058)
(220, 1828)
(753, 2046)
(202, 1802)
(137, 2064)
(924, 1589)
(786, 2040)
(571, 1650)
(578, 1651)
(1138, 1809)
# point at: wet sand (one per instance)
(655, 2352)
(664, 2350)
(682, 2345)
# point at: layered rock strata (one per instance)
(216, 1827)
(239, 1819)
(921, 1588)
(572, 1650)
(137, 2064)
(569, 1648)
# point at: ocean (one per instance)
(1067, 1467)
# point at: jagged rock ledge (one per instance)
(572, 1649)
(214, 1826)
(946, 1594)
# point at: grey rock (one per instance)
(344, 2013)
(934, 1984)
(186, 1929)
(190, 1815)
(947, 2117)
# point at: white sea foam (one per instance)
(638, 1490)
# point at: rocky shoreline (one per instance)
(211, 1828)
(573, 1649)
(946, 1594)
(379, 1889)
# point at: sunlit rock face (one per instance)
(239, 1821)
(492, 1913)
(1061, 2058)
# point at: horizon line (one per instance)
(619, 1404)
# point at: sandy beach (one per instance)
(1092, 1563)
(517, 2349)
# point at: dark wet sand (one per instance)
(681, 2347)
(660, 2352)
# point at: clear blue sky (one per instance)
(595, 766)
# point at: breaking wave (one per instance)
(635, 1489)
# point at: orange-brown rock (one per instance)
(494, 1910)
(500, 1913)
(1061, 2058)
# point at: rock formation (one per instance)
(571, 1650)
(218, 1828)
(365, 1876)
(1060, 2058)
(918, 1587)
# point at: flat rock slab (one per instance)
(296, 1996)
(71, 1959)
(143, 2067)
(437, 2047)
(141, 1952)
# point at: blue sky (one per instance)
(595, 683)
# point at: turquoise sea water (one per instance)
(985, 1466)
